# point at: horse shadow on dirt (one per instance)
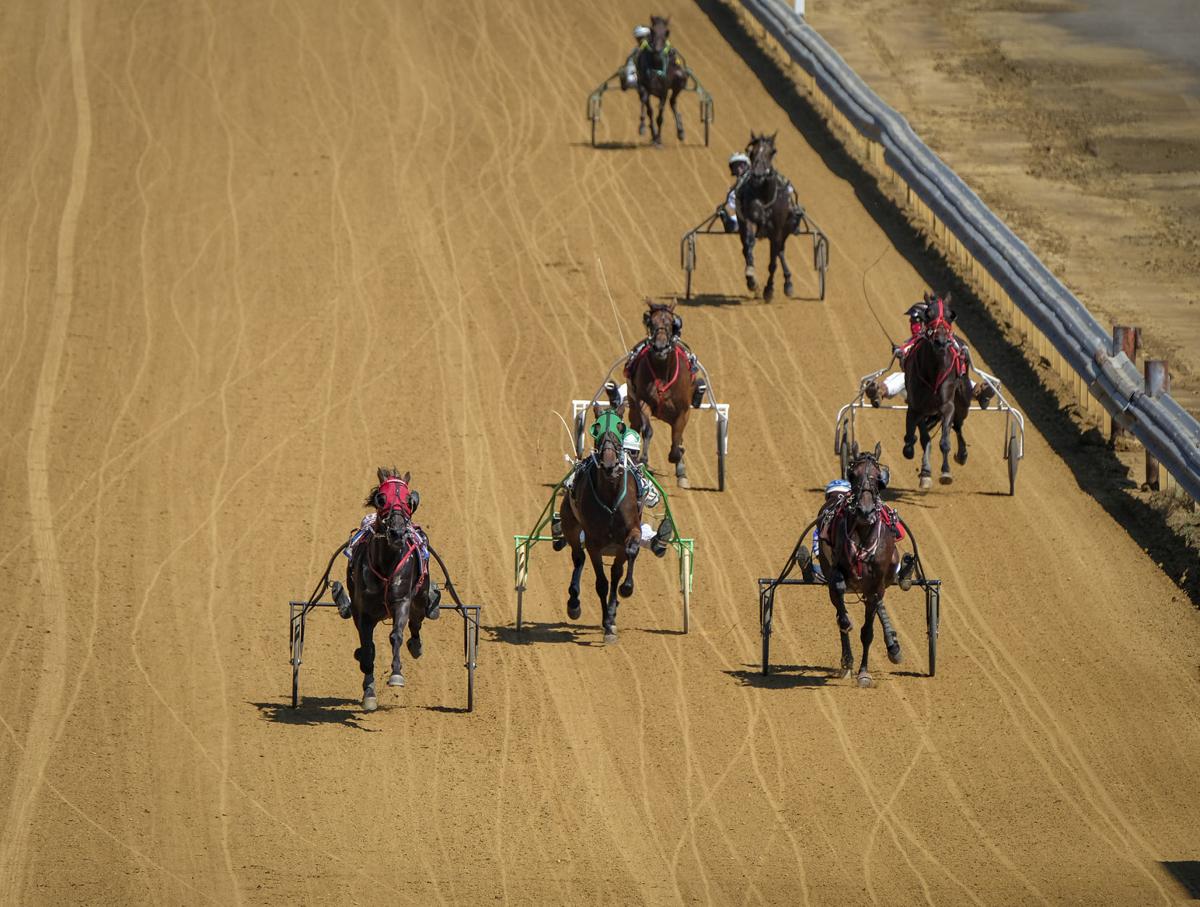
(316, 710)
(530, 633)
(783, 677)
(716, 300)
(610, 146)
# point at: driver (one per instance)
(641, 35)
(738, 165)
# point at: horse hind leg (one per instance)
(769, 289)
(890, 639)
(632, 546)
(678, 117)
(574, 609)
(416, 648)
(944, 446)
(960, 415)
(676, 455)
(926, 479)
(610, 606)
(789, 289)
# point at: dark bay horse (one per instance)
(858, 553)
(938, 389)
(764, 210)
(660, 378)
(660, 74)
(387, 578)
(603, 505)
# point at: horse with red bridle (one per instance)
(602, 505)
(660, 378)
(388, 579)
(660, 74)
(938, 389)
(857, 551)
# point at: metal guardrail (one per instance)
(1168, 432)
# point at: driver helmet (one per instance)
(916, 311)
(738, 158)
(632, 443)
(640, 33)
(837, 486)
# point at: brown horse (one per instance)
(387, 578)
(602, 505)
(660, 377)
(660, 74)
(764, 206)
(938, 390)
(858, 535)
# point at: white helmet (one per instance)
(838, 486)
(738, 158)
(632, 442)
(641, 32)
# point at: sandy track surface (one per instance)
(248, 252)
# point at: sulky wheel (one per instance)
(722, 444)
(579, 435)
(933, 595)
(766, 608)
(844, 456)
(1014, 458)
(297, 651)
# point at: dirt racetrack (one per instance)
(248, 252)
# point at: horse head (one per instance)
(938, 318)
(761, 151)
(394, 503)
(867, 480)
(660, 31)
(663, 326)
(607, 432)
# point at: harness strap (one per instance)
(659, 385)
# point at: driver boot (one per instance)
(340, 598)
(662, 538)
(433, 603)
(699, 389)
(904, 574)
(558, 543)
(984, 393)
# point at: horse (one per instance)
(764, 208)
(387, 578)
(660, 74)
(602, 505)
(660, 377)
(938, 390)
(858, 553)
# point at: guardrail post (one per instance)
(1158, 382)
(799, 7)
(1124, 340)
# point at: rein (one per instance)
(595, 495)
(414, 545)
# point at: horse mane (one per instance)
(660, 306)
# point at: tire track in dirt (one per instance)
(35, 755)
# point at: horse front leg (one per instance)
(748, 238)
(610, 606)
(895, 656)
(769, 289)
(574, 609)
(597, 559)
(662, 104)
(643, 109)
(926, 482)
(837, 595)
(633, 544)
(867, 636)
(961, 406)
(788, 287)
(678, 118)
(910, 431)
(676, 455)
(944, 442)
(396, 679)
(365, 653)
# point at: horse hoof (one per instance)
(845, 673)
(908, 451)
(396, 680)
(946, 479)
(641, 128)
(625, 590)
(415, 647)
(679, 134)
(961, 459)
(610, 636)
(788, 289)
(370, 703)
(768, 292)
(863, 680)
(682, 482)
(558, 544)
(574, 610)
(845, 624)
(925, 483)
(895, 656)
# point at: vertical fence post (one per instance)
(1124, 340)
(1158, 382)
(799, 7)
